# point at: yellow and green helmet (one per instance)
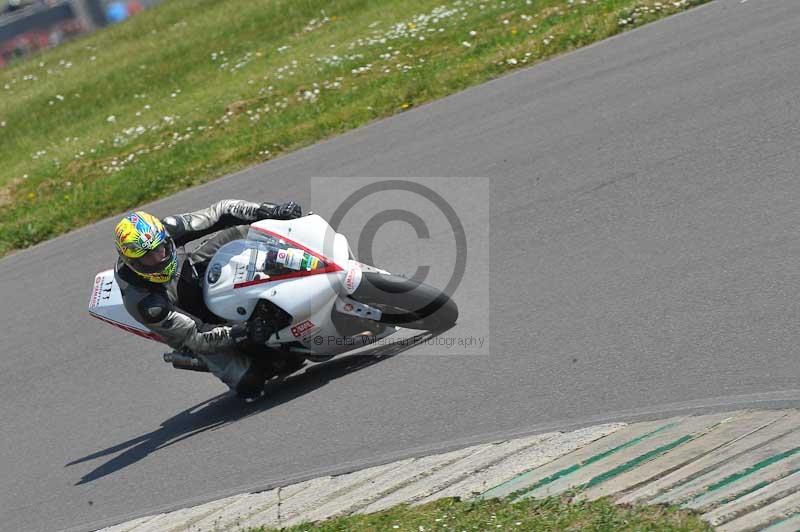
(146, 248)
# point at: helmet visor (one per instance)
(156, 260)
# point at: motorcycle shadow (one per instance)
(225, 409)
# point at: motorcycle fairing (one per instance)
(106, 305)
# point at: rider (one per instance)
(160, 284)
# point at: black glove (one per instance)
(285, 211)
(256, 332)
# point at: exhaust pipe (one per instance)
(187, 362)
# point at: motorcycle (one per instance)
(301, 277)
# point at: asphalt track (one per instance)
(645, 258)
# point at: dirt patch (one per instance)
(8, 191)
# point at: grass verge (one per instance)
(541, 514)
(194, 89)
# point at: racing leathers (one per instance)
(175, 310)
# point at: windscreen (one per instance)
(276, 257)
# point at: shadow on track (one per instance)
(225, 408)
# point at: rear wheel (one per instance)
(406, 302)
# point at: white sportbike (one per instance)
(300, 276)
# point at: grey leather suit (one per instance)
(174, 310)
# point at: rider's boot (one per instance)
(250, 387)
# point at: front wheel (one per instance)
(406, 302)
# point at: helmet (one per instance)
(146, 247)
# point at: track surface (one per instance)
(644, 198)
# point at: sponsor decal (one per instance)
(96, 291)
(352, 280)
(303, 328)
(295, 258)
(107, 288)
(150, 241)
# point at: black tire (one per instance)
(406, 302)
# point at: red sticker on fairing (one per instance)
(303, 328)
(95, 299)
(352, 279)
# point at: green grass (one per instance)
(194, 89)
(554, 513)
